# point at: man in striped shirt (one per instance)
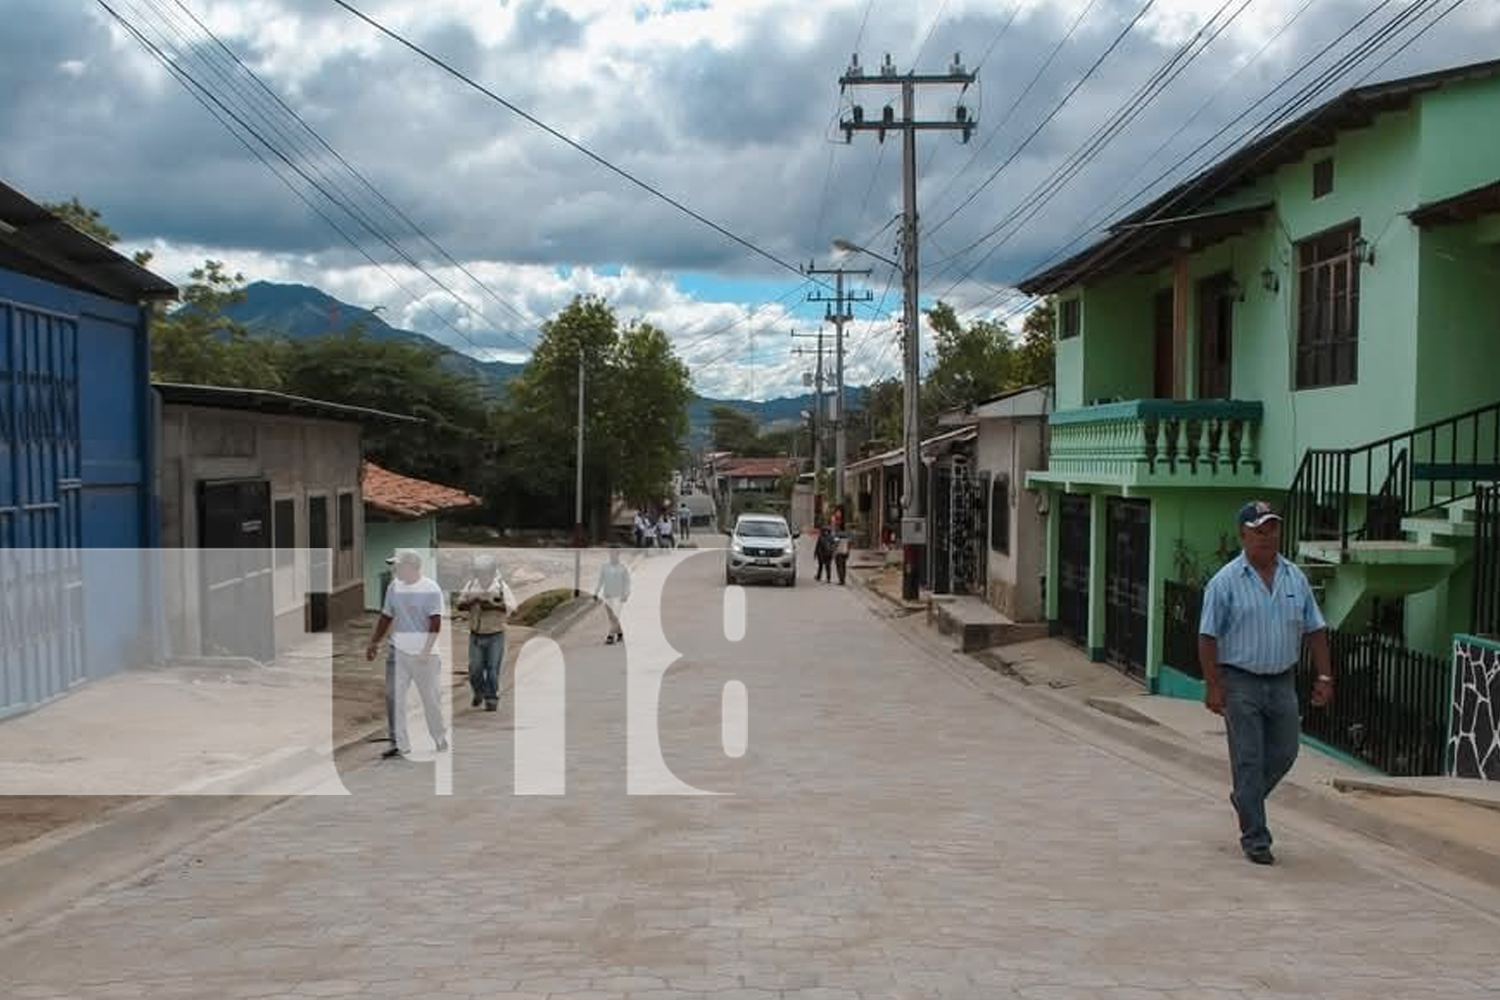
(1256, 612)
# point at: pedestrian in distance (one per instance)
(685, 521)
(488, 600)
(841, 555)
(614, 589)
(1257, 611)
(413, 615)
(664, 531)
(640, 528)
(823, 553)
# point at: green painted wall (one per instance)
(384, 537)
(1459, 144)
(1459, 317)
(1068, 369)
(1189, 528)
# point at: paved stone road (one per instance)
(892, 835)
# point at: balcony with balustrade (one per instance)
(1155, 443)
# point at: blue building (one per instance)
(76, 464)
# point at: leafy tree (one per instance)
(733, 430)
(90, 221)
(195, 342)
(636, 396)
(1034, 359)
(973, 363)
(878, 426)
(450, 446)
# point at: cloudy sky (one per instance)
(728, 106)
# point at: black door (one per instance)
(234, 533)
(319, 563)
(1127, 580)
(1073, 568)
(1162, 322)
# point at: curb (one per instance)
(1054, 708)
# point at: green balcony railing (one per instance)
(1157, 442)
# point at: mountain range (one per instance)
(302, 311)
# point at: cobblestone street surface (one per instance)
(891, 833)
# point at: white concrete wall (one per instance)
(302, 458)
(1013, 447)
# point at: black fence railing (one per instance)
(1486, 612)
(1363, 493)
(1182, 608)
(1390, 707)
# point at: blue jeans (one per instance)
(1263, 723)
(486, 662)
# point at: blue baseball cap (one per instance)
(1257, 512)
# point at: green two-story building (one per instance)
(1314, 320)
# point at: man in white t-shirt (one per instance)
(413, 615)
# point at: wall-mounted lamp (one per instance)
(1270, 281)
(1364, 251)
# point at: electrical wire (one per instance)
(1408, 43)
(1088, 75)
(363, 180)
(574, 144)
(229, 119)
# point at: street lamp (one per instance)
(913, 523)
(845, 246)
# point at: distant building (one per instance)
(401, 512)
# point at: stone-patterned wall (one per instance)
(1474, 732)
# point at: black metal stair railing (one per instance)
(1362, 493)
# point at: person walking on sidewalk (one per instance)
(614, 588)
(823, 553)
(1257, 611)
(413, 614)
(664, 530)
(841, 554)
(489, 602)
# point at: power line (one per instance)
(225, 116)
(1047, 120)
(513, 108)
(215, 104)
(364, 181)
(1278, 117)
(1408, 43)
(1031, 205)
(1010, 112)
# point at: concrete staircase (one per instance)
(1346, 578)
(977, 625)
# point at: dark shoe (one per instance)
(620, 637)
(609, 640)
(475, 702)
(1261, 856)
(442, 746)
(393, 752)
(491, 705)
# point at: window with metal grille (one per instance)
(1328, 309)
(1322, 177)
(284, 530)
(346, 521)
(1000, 513)
(1069, 318)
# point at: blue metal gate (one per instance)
(41, 573)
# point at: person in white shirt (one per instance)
(413, 615)
(489, 603)
(651, 532)
(614, 588)
(664, 531)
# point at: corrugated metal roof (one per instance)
(1470, 204)
(1352, 109)
(268, 401)
(896, 455)
(46, 247)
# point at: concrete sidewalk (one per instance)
(1452, 824)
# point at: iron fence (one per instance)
(1182, 608)
(1390, 706)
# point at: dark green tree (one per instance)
(1034, 358)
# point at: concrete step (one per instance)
(978, 625)
(1398, 553)
(1426, 529)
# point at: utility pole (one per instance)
(913, 524)
(818, 395)
(838, 315)
(578, 490)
